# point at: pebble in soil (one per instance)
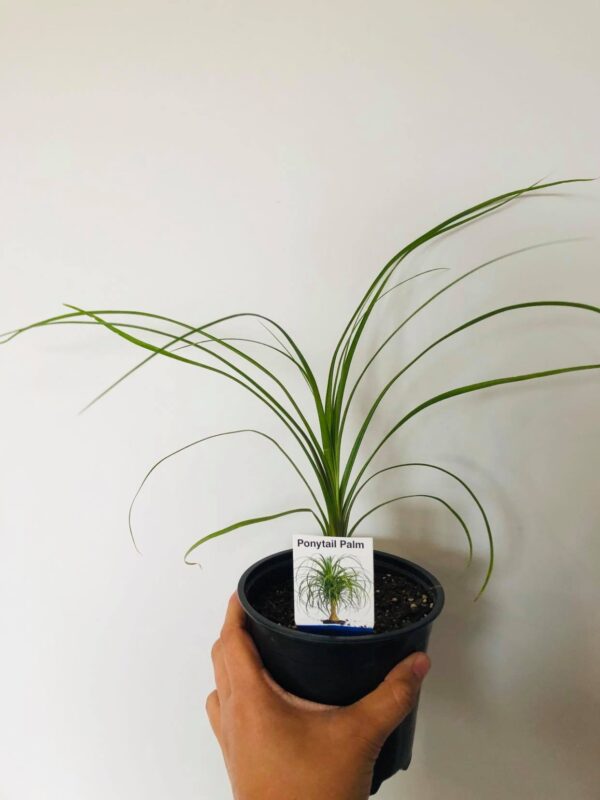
(398, 602)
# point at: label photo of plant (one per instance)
(333, 590)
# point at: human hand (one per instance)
(277, 746)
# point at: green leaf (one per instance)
(463, 483)
(322, 524)
(244, 380)
(475, 321)
(433, 297)
(321, 440)
(359, 319)
(244, 523)
(467, 389)
(410, 496)
(378, 285)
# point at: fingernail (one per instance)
(421, 665)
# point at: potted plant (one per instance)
(324, 666)
(330, 583)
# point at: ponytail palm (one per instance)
(330, 583)
(320, 426)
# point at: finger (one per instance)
(242, 661)
(220, 670)
(293, 699)
(384, 708)
(235, 617)
(213, 711)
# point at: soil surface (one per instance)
(398, 602)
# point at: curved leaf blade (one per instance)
(216, 436)
(243, 524)
(450, 508)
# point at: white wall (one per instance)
(196, 159)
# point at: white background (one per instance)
(197, 159)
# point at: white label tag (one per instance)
(333, 583)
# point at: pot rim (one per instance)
(344, 641)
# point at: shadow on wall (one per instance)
(455, 637)
(500, 717)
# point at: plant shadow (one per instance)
(454, 644)
(542, 712)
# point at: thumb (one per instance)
(379, 712)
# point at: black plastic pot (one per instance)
(338, 670)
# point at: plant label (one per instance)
(333, 584)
